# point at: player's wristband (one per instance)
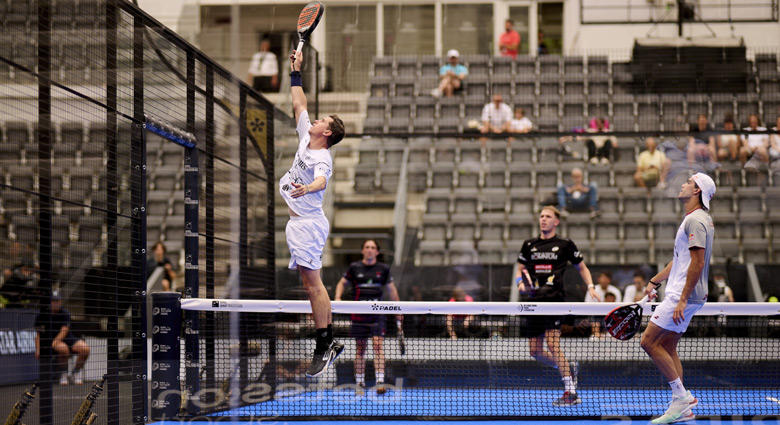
(591, 286)
(295, 79)
(518, 280)
(657, 285)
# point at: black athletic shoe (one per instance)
(568, 399)
(321, 361)
(381, 389)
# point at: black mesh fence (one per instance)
(88, 190)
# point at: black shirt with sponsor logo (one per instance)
(546, 261)
(368, 283)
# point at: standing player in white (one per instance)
(686, 292)
(302, 188)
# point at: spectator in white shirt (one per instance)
(264, 69)
(603, 287)
(755, 147)
(496, 116)
(520, 123)
(636, 290)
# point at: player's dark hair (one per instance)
(336, 130)
(161, 244)
(639, 273)
(363, 245)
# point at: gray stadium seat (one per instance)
(522, 200)
(606, 251)
(598, 84)
(495, 175)
(598, 65)
(492, 226)
(573, 84)
(525, 65)
(492, 200)
(549, 64)
(503, 65)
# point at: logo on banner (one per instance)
(377, 307)
(225, 304)
(526, 307)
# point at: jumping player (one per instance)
(371, 281)
(686, 292)
(544, 259)
(302, 188)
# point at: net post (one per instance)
(46, 138)
(166, 351)
(192, 325)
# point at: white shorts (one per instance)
(306, 237)
(662, 316)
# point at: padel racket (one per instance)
(307, 21)
(401, 338)
(624, 322)
(529, 285)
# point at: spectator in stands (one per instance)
(160, 260)
(651, 166)
(496, 116)
(724, 147)
(724, 293)
(604, 286)
(264, 69)
(542, 49)
(509, 40)
(53, 324)
(520, 123)
(636, 290)
(578, 197)
(19, 288)
(755, 147)
(600, 147)
(451, 76)
(774, 147)
(459, 324)
(700, 141)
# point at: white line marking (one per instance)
(773, 399)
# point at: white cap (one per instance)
(452, 53)
(707, 186)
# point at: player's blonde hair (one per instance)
(553, 209)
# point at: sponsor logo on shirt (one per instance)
(555, 249)
(544, 256)
(543, 268)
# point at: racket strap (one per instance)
(295, 79)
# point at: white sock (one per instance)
(380, 378)
(568, 384)
(360, 378)
(677, 388)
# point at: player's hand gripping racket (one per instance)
(529, 286)
(307, 21)
(624, 322)
(401, 339)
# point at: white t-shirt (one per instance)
(757, 140)
(696, 230)
(497, 117)
(629, 295)
(521, 125)
(601, 293)
(264, 64)
(307, 166)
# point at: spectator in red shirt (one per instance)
(509, 41)
(459, 322)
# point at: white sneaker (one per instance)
(78, 377)
(679, 410)
(594, 160)
(436, 93)
(604, 161)
(64, 379)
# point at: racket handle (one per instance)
(645, 299)
(300, 45)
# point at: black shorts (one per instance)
(364, 330)
(536, 325)
(262, 84)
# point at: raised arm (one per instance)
(298, 97)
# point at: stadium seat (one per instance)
(468, 175)
(442, 175)
(609, 197)
(673, 107)
(635, 200)
(522, 200)
(525, 65)
(747, 104)
(380, 85)
(577, 226)
(546, 175)
(606, 251)
(520, 175)
(549, 84)
(522, 151)
(503, 65)
(502, 84)
(598, 65)
(722, 105)
(495, 175)
(463, 228)
(573, 65)
(520, 228)
(637, 251)
(492, 200)
(477, 64)
(573, 84)
(429, 66)
(497, 151)
(445, 150)
(549, 64)
(492, 226)
(491, 251)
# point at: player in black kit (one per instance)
(542, 261)
(371, 281)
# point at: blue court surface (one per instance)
(606, 421)
(726, 406)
